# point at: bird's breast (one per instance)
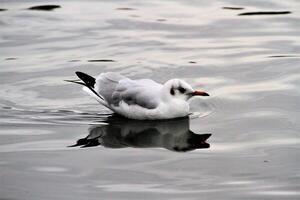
(162, 111)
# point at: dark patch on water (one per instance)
(102, 60)
(2, 9)
(266, 13)
(232, 8)
(7, 107)
(193, 62)
(125, 8)
(134, 15)
(283, 56)
(11, 58)
(44, 7)
(74, 60)
(65, 111)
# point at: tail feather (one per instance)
(76, 81)
(89, 84)
(87, 79)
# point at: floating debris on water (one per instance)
(266, 13)
(3, 9)
(102, 60)
(44, 7)
(232, 8)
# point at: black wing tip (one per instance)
(206, 136)
(78, 73)
(82, 75)
(87, 79)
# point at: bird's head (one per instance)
(179, 89)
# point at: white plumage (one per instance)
(142, 99)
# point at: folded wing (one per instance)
(137, 92)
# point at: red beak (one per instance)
(199, 93)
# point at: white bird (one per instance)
(142, 99)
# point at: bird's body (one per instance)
(142, 99)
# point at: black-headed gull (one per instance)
(142, 99)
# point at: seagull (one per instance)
(141, 99)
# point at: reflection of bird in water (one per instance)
(140, 99)
(120, 133)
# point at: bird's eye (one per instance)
(172, 92)
(181, 90)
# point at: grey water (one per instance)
(240, 143)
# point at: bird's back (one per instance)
(116, 88)
(106, 84)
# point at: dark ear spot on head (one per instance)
(181, 90)
(172, 92)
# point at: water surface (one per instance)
(248, 63)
